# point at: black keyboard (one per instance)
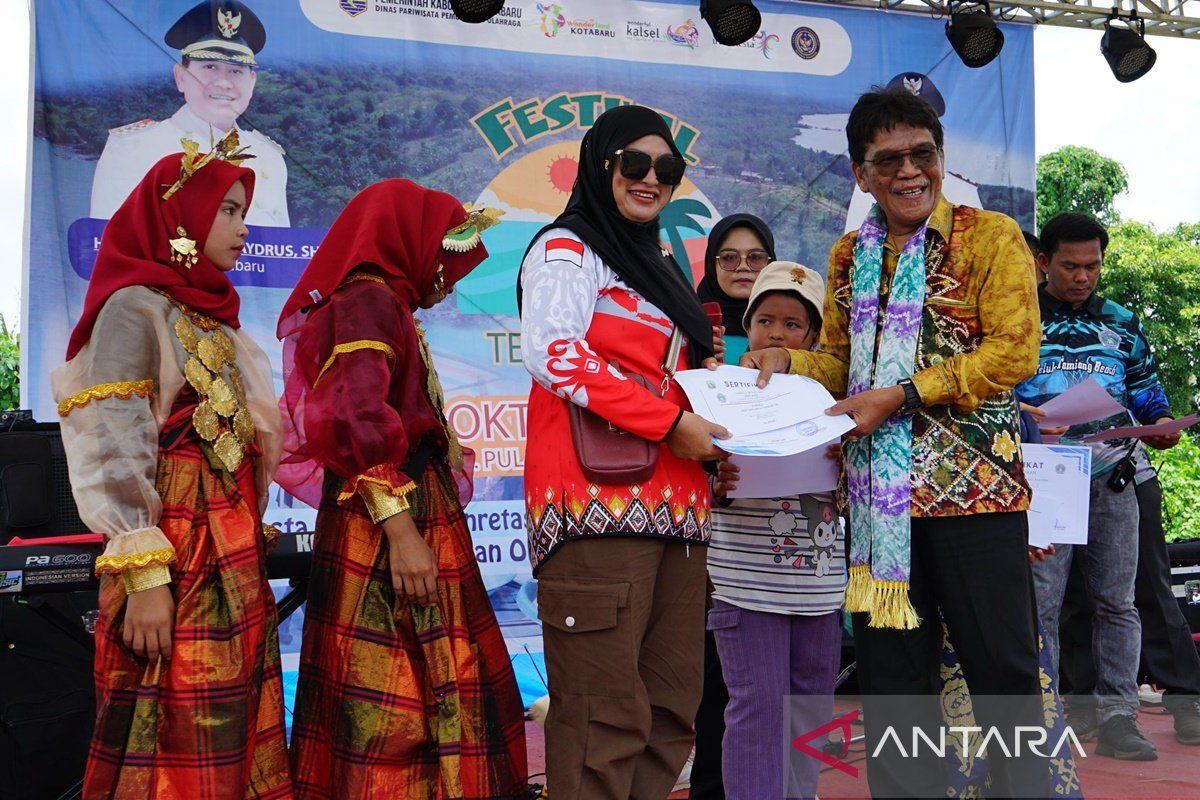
(45, 568)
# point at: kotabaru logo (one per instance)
(806, 43)
(353, 7)
(553, 19)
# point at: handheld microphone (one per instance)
(713, 310)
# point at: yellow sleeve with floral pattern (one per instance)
(1009, 320)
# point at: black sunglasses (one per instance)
(922, 157)
(635, 165)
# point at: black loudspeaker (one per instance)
(35, 488)
(47, 702)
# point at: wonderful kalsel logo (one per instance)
(642, 31)
(806, 43)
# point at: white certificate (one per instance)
(1061, 480)
(790, 440)
(730, 397)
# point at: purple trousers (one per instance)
(766, 657)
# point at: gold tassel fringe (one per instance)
(858, 589)
(891, 608)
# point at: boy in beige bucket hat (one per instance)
(778, 568)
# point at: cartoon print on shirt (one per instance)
(783, 545)
(824, 535)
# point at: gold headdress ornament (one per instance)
(464, 237)
(228, 149)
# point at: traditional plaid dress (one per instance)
(395, 700)
(172, 434)
(398, 700)
(208, 723)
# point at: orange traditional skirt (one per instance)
(208, 723)
(397, 700)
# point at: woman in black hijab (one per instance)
(620, 589)
(739, 247)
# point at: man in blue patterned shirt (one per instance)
(1084, 335)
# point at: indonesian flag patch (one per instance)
(561, 249)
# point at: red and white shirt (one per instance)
(577, 318)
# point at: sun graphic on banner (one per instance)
(562, 174)
(532, 191)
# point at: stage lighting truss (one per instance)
(476, 11)
(973, 33)
(732, 21)
(1178, 18)
(1124, 47)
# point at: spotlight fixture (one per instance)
(732, 21)
(475, 11)
(973, 33)
(1125, 50)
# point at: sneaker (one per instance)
(1082, 719)
(1187, 722)
(1120, 738)
(1149, 695)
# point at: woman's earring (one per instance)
(439, 282)
(183, 249)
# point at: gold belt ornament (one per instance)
(221, 418)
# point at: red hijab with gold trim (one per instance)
(136, 246)
(402, 233)
(396, 228)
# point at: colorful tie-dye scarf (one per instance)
(879, 466)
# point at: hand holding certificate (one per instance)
(778, 431)
(730, 397)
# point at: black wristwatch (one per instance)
(912, 399)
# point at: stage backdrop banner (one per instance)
(348, 92)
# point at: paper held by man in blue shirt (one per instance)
(1084, 402)
(1167, 428)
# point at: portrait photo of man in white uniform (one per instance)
(218, 41)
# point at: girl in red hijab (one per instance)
(405, 687)
(172, 434)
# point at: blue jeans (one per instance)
(1109, 565)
